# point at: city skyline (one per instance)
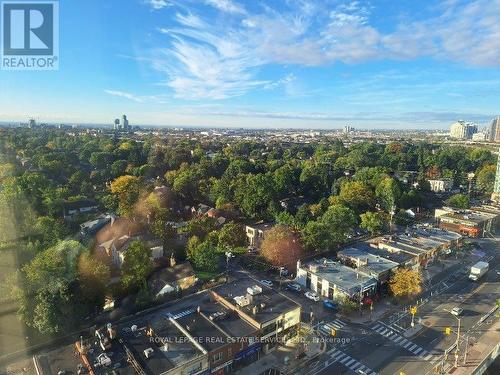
(306, 64)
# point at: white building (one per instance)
(441, 185)
(334, 280)
(462, 130)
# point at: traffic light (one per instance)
(333, 332)
(413, 310)
(447, 330)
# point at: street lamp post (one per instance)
(458, 337)
(392, 213)
(229, 255)
(413, 311)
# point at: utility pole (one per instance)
(466, 349)
(281, 273)
(458, 341)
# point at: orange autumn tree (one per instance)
(282, 247)
(405, 282)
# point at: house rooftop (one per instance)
(262, 225)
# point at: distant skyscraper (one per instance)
(31, 123)
(125, 122)
(462, 130)
(496, 188)
(116, 124)
(494, 130)
(348, 129)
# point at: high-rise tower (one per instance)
(496, 188)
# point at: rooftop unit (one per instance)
(219, 315)
(254, 290)
(242, 301)
(148, 353)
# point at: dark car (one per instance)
(329, 304)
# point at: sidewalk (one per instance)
(478, 352)
(285, 358)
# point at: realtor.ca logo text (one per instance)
(30, 35)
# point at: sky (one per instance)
(267, 63)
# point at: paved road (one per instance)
(382, 348)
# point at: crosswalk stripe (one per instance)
(418, 350)
(408, 345)
(398, 339)
(331, 351)
(342, 355)
(403, 342)
(383, 331)
(423, 353)
(355, 365)
(347, 358)
(376, 326)
(350, 362)
(429, 356)
(393, 336)
(412, 347)
(362, 368)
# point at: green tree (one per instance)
(372, 222)
(203, 255)
(137, 265)
(388, 193)
(232, 235)
(126, 188)
(356, 195)
(486, 177)
(254, 193)
(331, 229)
(56, 294)
(458, 201)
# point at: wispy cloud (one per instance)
(158, 4)
(137, 98)
(218, 60)
(226, 6)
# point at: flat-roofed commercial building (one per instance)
(334, 280)
(423, 243)
(275, 316)
(372, 265)
(474, 222)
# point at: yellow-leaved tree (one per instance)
(405, 282)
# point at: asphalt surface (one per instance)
(381, 347)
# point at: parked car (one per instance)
(329, 304)
(457, 311)
(294, 287)
(268, 283)
(312, 296)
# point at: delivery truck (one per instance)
(478, 270)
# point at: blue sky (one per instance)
(267, 63)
